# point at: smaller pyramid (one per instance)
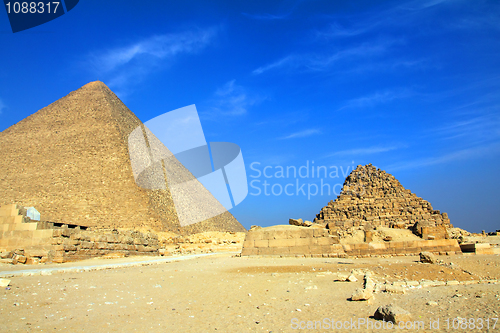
(371, 197)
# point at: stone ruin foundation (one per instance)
(370, 200)
(26, 241)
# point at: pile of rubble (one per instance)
(372, 198)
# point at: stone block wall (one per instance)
(25, 241)
(317, 242)
(290, 241)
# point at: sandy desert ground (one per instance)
(227, 293)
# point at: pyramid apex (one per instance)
(95, 84)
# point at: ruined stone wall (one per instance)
(289, 241)
(23, 240)
(374, 198)
(318, 242)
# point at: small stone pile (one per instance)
(371, 197)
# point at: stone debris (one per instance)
(395, 289)
(300, 223)
(4, 283)
(392, 313)
(352, 278)
(371, 197)
(361, 295)
(341, 277)
(427, 257)
(374, 215)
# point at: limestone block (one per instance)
(112, 239)
(265, 251)
(77, 236)
(18, 219)
(43, 233)
(302, 249)
(320, 232)
(249, 251)
(279, 234)
(9, 210)
(392, 313)
(395, 289)
(377, 246)
(347, 247)
(323, 241)
(261, 243)
(148, 249)
(281, 242)
(86, 245)
(68, 247)
(303, 241)
(293, 234)
(307, 233)
(101, 245)
(248, 243)
(362, 295)
(66, 232)
(285, 251)
(316, 249)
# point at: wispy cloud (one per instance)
(321, 62)
(485, 127)
(380, 97)
(123, 65)
(364, 151)
(231, 100)
(2, 106)
(459, 155)
(301, 134)
(281, 15)
(411, 14)
(268, 17)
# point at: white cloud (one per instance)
(267, 16)
(2, 106)
(301, 134)
(485, 127)
(123, 65)
(284, 13)
(231, 100)
(380, 97)
(159, 46)
(324, 61)
(459, 155)
(363, 151)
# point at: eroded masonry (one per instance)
(373, 215)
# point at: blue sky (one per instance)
(409, 86)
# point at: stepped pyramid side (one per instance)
(70, 160)
(371, 197)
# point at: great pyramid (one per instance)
(371, 197)
(70, 160)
